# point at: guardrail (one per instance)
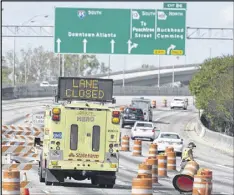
(32, 92)
(218, 140)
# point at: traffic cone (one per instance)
(24, 191)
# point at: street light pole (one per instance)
(159, 71)
(25, 72)
(14, 65)
(31, 19)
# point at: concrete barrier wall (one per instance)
(217, 140)
(34, 91)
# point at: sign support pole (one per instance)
(159, 71)
(14, 65)
(109, 66)
(63, 66)
(79, 61)
(59, 65)
(25, 73)
(124, 71)
(173, 75)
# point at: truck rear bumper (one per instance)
(82, 166)
(101, 177)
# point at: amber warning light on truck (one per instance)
(94, 89)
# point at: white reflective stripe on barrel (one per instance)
(11, 192)
(162, 161)
(201, 180)
(136, 151)
(154, 166)
(137, 146)
(142, 191)
(11, 180)
(171, 165)
(198, 185)
(154, 175)
(160, 169)
(125, 145)
(145, 171)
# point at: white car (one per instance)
(44, 84)
(166, 139)
(179, 103)
(144, 130)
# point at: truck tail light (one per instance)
(115, 117)
(115, 113)
(56, 114)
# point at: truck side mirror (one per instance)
(113, 101)
(37, 141)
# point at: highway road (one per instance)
(166, 120)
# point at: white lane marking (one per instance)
(46, 192)
(214, 164)
(224, 166)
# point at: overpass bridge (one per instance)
(149, 77)
(146, 77)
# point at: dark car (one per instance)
(131, 115)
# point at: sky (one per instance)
(199, 14)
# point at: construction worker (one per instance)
(187, 154)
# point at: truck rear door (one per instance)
(85, 134)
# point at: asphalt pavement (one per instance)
(166, 120)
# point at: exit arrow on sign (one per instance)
(170, 48)
(58, 45)
(84, 45)
(112, 46)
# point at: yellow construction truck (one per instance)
(81, 133)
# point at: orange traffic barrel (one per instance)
(125, 143)
(121, 108)
(202, 184)
(162, 165)
(145, 170)
(169, 149)
(153, 161)
(171, 161)
(154, 104)
(10, 182)
(153, 150)
(137, 148)
(142, 186)
(24, 191)
(183, 182)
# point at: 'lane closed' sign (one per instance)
(38, 119)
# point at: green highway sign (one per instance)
(174, 5)
(120, 31)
